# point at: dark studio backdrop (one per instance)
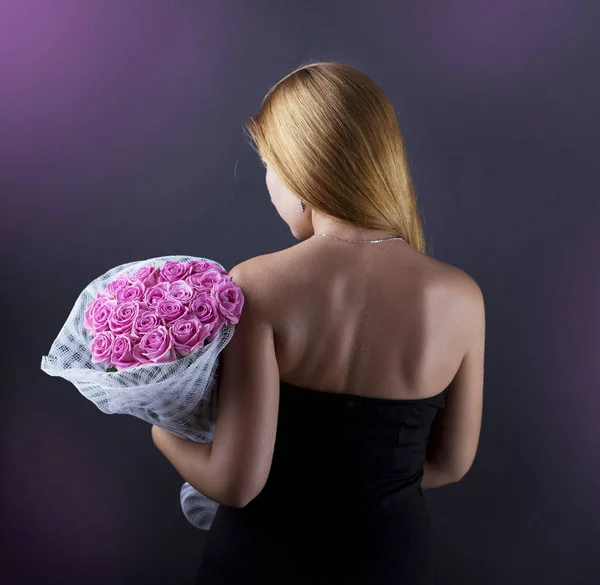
(121, 139)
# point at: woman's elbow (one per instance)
(459, 473)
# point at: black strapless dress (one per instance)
(343, 503)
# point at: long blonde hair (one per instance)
(331, 135)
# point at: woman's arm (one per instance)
(193, 462)
(455, 430)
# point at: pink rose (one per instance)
(172, 271)
(230, 300)
(199, 266)
(122, 354)
(170, 310)
(118, 283)
(91, 308)
(122, 317)
(183, 292)
(101, 315)
(144, 322)
(157, 293)
(205, 281)
(148, 275)
(189, 334)
(132, 292)
(205, 308)
(155, 347)
(101, 347)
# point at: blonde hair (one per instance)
(331, 135)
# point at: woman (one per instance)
(354, 379)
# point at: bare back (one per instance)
(380, 320)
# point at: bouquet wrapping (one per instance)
(144, 339)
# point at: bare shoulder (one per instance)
(458, 297)
(257, 276)
(268, 269)
(455, 281)
(467, 305)
(468, 290)
(254, 269)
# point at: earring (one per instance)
(302, 206)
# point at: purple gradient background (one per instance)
(127, 114)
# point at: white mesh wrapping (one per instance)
(199, 509)
(179, 396)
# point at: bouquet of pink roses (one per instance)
(158, 315)
(144, 339)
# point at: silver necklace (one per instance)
(370, 241)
